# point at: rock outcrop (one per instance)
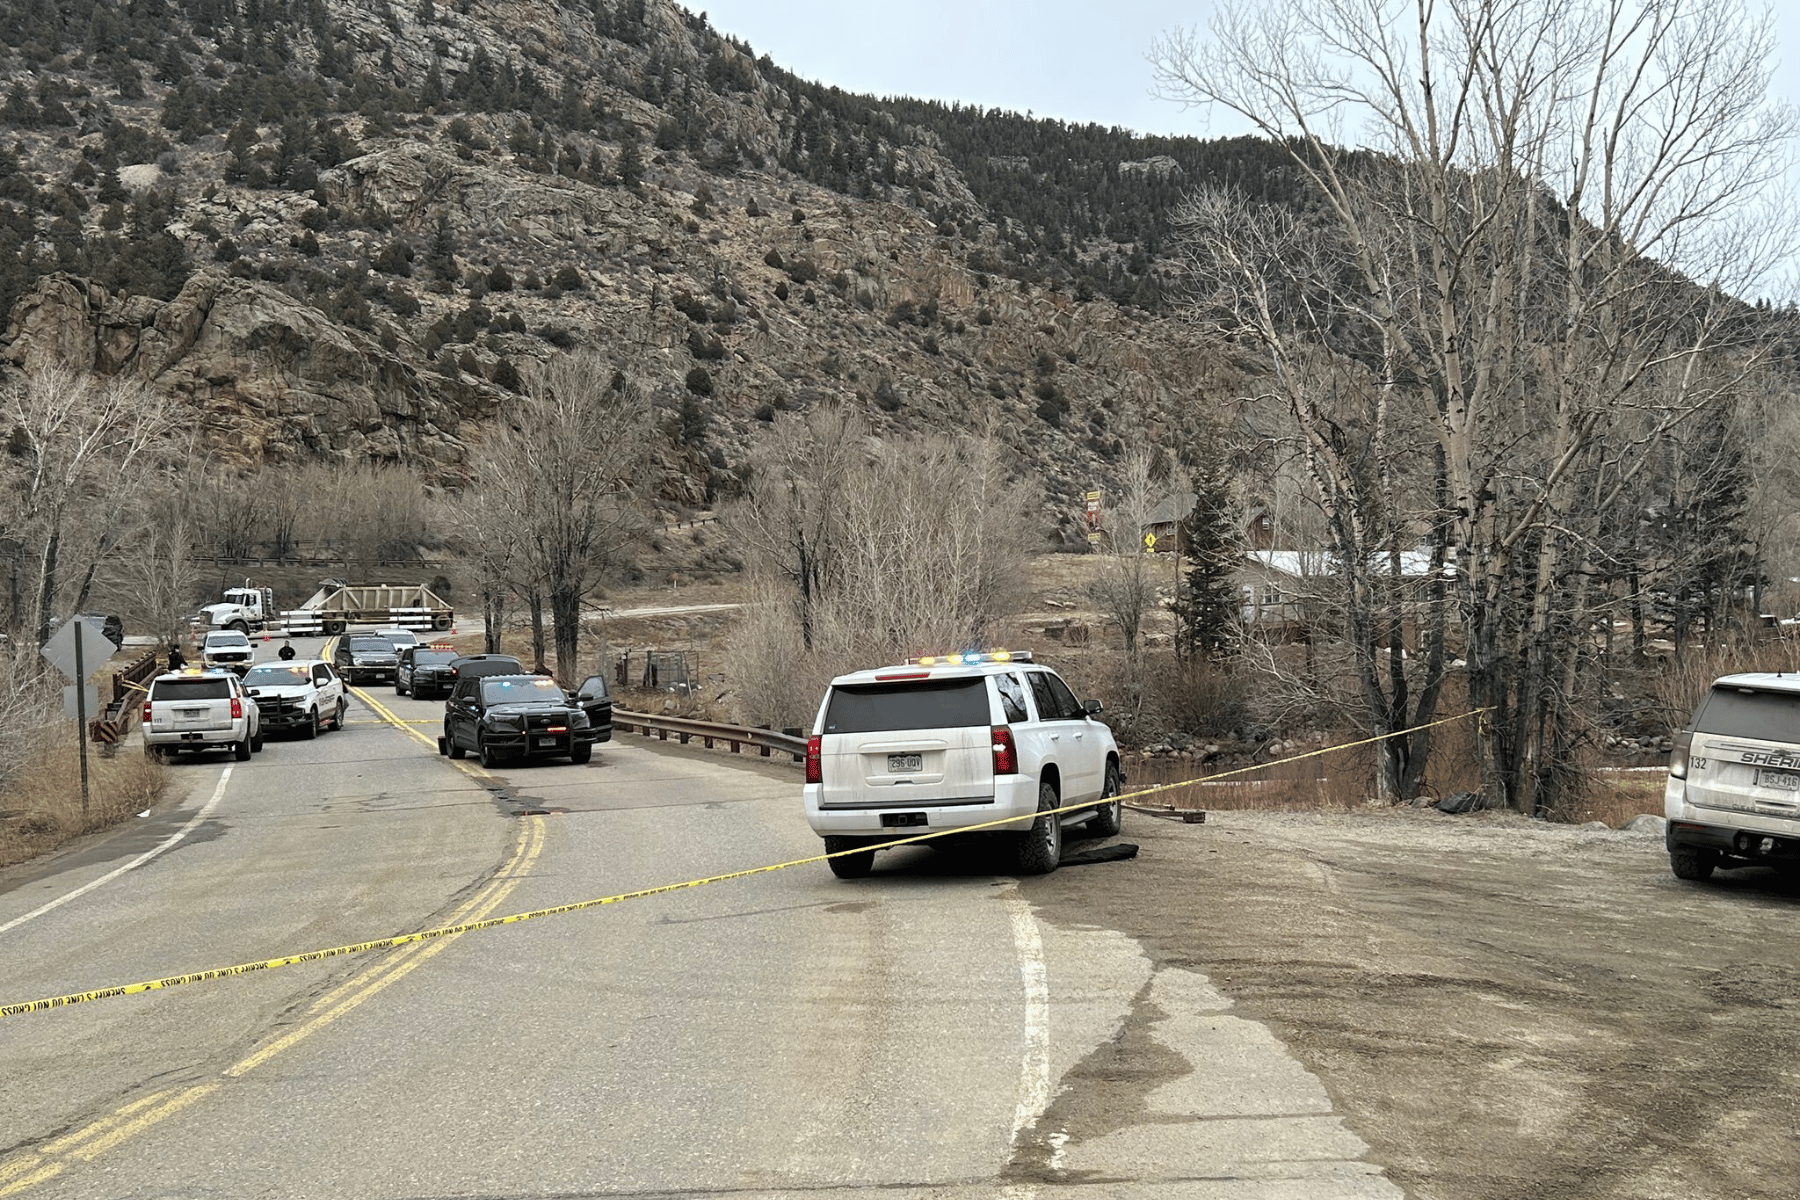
(264, 376)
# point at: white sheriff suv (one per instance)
(302, 695)
(1733, 792)
(954, 741)
(197, 709)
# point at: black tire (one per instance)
(443, 745)
(1108, 818)
(240, 626)
(441, 621)
(489, 758)
(849, 866)
(1039, 849)
(337, 722)
(581, 753)
(455, 747)
(310, 730)
(399, 688)
(241, 750)
(256, 743)
(1696, 865)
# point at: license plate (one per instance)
(1786, 780)
(548, 741)
(899, 764)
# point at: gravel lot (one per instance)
(1504, 1009)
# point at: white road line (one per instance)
(140, 860)
(1034, 1064)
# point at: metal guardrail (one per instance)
(767, 741)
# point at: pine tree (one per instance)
(1206, 613)
(631, 161)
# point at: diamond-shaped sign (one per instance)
(90, 702)
(95, 649)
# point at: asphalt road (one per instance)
(921, 1032)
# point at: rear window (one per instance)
(192, 689)
(1761, 716)
(432, 658)
(871, 708)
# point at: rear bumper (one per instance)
(1752, 837)
(1014, 796)
(194, 737)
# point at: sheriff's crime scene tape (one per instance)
(151, 985)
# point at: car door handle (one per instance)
(1056, 737)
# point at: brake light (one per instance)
(237, 709)
(815, 767)
(1006, 754)
(1678, 754)
(559, 729)
(146, 717)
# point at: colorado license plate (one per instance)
(1786, 780)
(547, 741)
(900, 764)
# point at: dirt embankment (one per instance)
(1504, 1009)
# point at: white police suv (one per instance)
(1733, 792)
(953, 741)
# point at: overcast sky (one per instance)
(1077, 60)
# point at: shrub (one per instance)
(774, 259)
(703, 345)
(699, 382)
(568, 279)
(499, 279)
(557, 336)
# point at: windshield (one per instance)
(227, 639)
(513, 691)
(378, 645)
(278, 675)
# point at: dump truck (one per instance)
(336, 605)
(244, 609)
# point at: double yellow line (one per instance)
(52, 1158)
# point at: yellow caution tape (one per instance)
(31, 1006)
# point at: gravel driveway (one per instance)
(1503, 1008)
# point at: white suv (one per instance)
(301, 695)
(200, 710)
(955, 741)
(1733, 793)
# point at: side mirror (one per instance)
(1091, 707)
(252, 691)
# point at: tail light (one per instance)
(146, 716)
(1006, 754)
(237, 709)
(815, 767)
(1678, 754)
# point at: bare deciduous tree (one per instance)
(563, 477)
(1126, 588)
(1566, 192)
(863, 553)
(80, 452)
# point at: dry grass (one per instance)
(41, 809)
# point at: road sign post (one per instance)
(76, 650)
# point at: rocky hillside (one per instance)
(344, 229)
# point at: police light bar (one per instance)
(970, 658)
